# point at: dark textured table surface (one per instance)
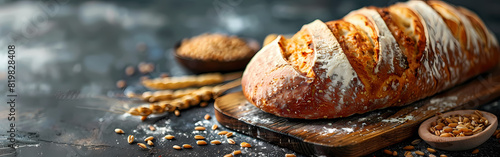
(69, 54)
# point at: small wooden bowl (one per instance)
(458, 143)
(205, 66)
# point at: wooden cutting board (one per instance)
(355, 135)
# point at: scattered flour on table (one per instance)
(398, 120)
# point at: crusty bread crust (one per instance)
(371, 59)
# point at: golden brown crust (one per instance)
(298, 52)
(357, 47)
(373, 58)
(488, 44)
(266, 81)
(408, 31)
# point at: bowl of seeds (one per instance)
(215, 53)
(458, 130)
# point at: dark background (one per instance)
(70, 53)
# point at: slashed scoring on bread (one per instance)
(373, 58)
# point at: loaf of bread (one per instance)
(373, 58)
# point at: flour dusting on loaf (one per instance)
(441, 42)
(391, 55)
(330, 59)
(371, 59)
(331, 63)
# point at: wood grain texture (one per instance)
(355, 135)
